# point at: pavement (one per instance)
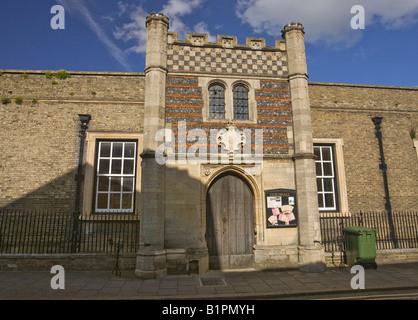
(214, 285)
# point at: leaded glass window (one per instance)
(216, 102)
(240, 102)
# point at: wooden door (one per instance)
(230, 223)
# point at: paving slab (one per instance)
(243, 284)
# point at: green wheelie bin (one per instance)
(360, 246)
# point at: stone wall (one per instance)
(73, 262)
(193, 66)
(345, 111)
(40, 142)
(387, 256)
(86, 86)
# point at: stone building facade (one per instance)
(213, 146)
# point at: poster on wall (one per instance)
(281, 208)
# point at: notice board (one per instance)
(281, 210)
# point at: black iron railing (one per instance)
(108, 233)
(34, 232)
(400, 232)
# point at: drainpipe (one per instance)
(84, 121)
(388, 207)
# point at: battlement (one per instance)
(225, 41)
(292, 26)
(157, 16)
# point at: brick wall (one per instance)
(39, 142)
(345, 111)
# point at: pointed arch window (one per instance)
(216, 101)
(240, 102)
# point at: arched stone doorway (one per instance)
(230, 222)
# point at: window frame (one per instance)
(111, 175)
(229, 83)
(331, 177)
(90, 179)
(235, 99)
(217, 84)
(339, 173)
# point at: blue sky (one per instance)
(110, 35)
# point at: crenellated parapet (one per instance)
(292, 26)
(157, 17)
(225, 41)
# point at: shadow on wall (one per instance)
(57, 195)
(216, 227)
(226, 222)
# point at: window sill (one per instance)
(113, 216)
(234, 121)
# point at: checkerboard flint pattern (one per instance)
(188, 58)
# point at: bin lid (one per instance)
(357, 230)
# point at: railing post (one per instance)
(84, 121)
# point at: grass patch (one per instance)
(5, 100)
(18, 100)
(62, 74)
(48, 74)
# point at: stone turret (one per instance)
(311, 252)
(151, 259)
(155, 72)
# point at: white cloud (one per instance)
(202, 27)
(135, 29)
(177, 8)
(325, 21)
(129, 24)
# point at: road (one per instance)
(409, 294)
